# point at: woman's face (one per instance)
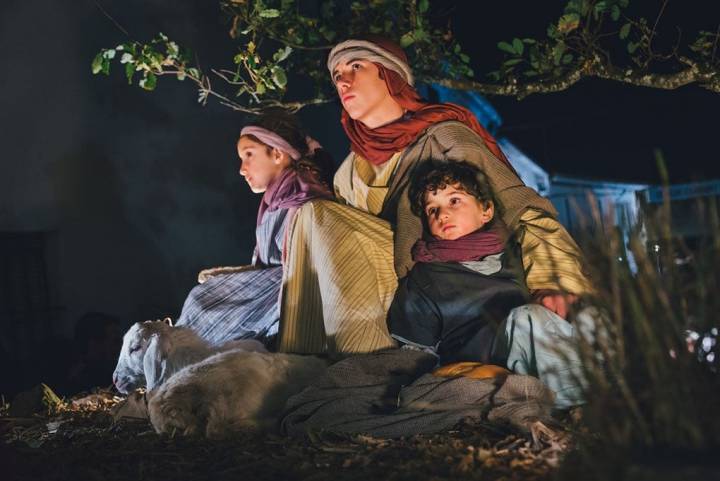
(259, 164)
(363, 94)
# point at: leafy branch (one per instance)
(595, 38)
(284, 42)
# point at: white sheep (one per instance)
(230, 391)
(153, 351)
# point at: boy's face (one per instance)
(452, 213)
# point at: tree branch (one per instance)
(704, 75)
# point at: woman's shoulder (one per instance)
(448, 130)
(444, 136)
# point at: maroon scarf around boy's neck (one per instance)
(292, 188)
(472, 247)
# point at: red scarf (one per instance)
(472, 247)
(292, 188)
(379, 144)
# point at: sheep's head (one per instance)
(129, 373)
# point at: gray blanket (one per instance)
(391, 394)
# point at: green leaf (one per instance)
(568, 23)
(512, 61)
(282, 54)
(625, 31)
(129, 72)
(530, 73)
(465, 58)
(423, 6)
(529, 41)
(631, 47)
(407, 40)
(557, 52)
(149, 81)
(518, 46)
(615, 15)
(172, 49)
(567, 58)
(419, 34)
(279, 76)
(260, 88)
(506, 47)
(457, 48)
(270, 13)
(109, 54)
(126, 58)
(552, 31)
(97, 63)
(105, 66)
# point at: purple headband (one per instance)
(272, 139)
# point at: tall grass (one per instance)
(650, 399)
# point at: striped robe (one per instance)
(344, 260)
(243, 304)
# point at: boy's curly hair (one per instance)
(433, 175)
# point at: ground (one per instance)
(82, 440)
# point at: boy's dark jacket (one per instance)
(454, 309)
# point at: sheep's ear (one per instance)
(154, 363)
(168, 321)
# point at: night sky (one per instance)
(135, 191)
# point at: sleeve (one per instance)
(413, 317)
(551, 258)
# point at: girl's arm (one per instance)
(206, 274)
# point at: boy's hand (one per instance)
(557, 302)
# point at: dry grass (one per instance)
(82, 441)
(651, 400)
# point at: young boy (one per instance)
(465, 299)
(466, 278)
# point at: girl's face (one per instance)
(452, 213)
(259, 164)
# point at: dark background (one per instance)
(130, 193)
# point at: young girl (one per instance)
(289, 169)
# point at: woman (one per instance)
(279, 161)
(340, 280)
